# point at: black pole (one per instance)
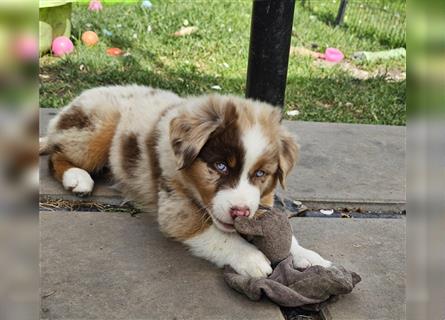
(341, 12)
(270, 37)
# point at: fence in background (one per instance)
(384, 20)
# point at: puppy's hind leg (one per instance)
(73, 179)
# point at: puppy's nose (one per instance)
(238, 211)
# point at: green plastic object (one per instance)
(54, 21)
(380, 55)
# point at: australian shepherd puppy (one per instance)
(200, 161)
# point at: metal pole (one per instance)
(341, 12)
(270, 36)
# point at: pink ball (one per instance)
(61, 46)
(26, 48)
(333, 55)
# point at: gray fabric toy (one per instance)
(271, 232)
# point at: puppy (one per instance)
(200, 161)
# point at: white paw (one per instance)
(253, 264)
(304, 258)
(78, 181)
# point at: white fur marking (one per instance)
(245, 193)
(304, 258)
(224, 248)
(254, 143)
(77, 180)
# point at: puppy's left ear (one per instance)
(190, 130)
(288, 155)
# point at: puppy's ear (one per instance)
(190, 130)
(288, 155)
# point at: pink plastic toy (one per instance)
(333, 55)
(27, 48)
(95, 5)
(61, 46)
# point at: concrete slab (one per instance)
(374, 248)
(114, 266)
(341, 165)
(349, 165)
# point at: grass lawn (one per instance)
(216, 55)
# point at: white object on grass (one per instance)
(293, 113)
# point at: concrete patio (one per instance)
(112, 265)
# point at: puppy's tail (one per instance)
(44, 148)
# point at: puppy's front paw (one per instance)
(253, 264)
(305, 258)
(78, 181)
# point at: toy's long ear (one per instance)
(288, 155)
(248, 227)
(191, 129)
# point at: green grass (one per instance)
(217, 55)
(383, 21)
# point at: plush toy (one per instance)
(271, 232)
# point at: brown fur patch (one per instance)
(246, 114)
(203, 179)
(231, 161)
(58, 164)
(288, 156)
(224, 145)
(99, 146)
(268, 163)
(130, 153)
(74, 117)
(194, 219)
(267, 199)
(190, 131)
(153, 157)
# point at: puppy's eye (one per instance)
(221, 167)
(260, 173)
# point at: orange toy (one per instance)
(114, 52)
(90, 38)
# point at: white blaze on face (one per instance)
(245, 193)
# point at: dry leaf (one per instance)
(185, 31)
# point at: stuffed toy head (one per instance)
(270, 231)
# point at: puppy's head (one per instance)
(233, 152)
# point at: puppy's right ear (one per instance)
(190, 130)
